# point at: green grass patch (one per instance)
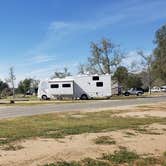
(126, 97)
(62, 124)
(38, 102)
(105, 140)
(121, 156)
(64, 163)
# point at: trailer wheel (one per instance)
(44, 97)
(84, 97)
(127, 94)
(139, 94)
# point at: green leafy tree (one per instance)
(133, 81)
(34, 85)
(4, 88)
(159, 64)
(25, 86)
(121, 75)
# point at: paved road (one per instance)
(17, 111)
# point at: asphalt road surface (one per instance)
(17, 111)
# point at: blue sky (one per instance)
(38, 37)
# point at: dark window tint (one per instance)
(95, 78)
(54, 85)
(99, 84)
(66, 85)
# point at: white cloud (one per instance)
(133, 61)
(41, 58)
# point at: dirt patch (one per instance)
(156, 126)
(141, 111)
(141, 114)
(41, 151)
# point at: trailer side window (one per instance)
(99, 84)
(54, 85)
(66, 85)
(95, 78)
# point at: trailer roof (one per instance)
(61, 80)
(71, 78)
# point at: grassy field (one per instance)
(60, 125)
(15, 131)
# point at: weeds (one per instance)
(85, 162)
(64, 163)
(106, 140)
(146, 131)
(121, 156)
(11, 147)
(130, 134)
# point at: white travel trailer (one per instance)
(77, 87)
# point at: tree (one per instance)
(133, 81)
(159, 64)
(11, 80)
(4, 88)
(145, 80)
(105, 56)
(34, 85)
(126, 79)
(147, 64)
(121, 75)
(24, 86)
(111, 55)
(62, 74)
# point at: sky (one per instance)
(38, 37)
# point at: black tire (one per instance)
(127, 94)
(109, 97)
(44, 97)
(139, 94)
(84, 97)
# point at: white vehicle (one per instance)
(156, 89)
(77, 87)
(163, 88)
